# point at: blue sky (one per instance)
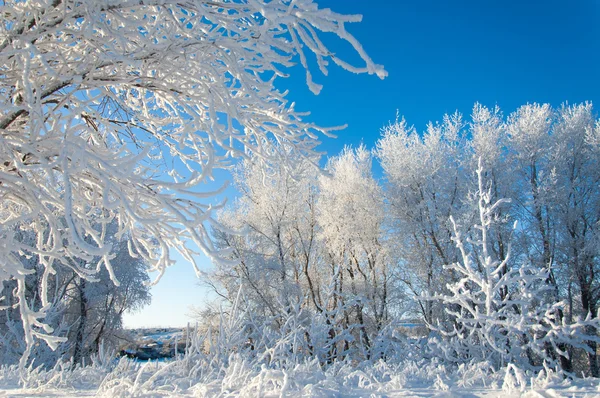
(441, 57)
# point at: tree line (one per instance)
(485, 230)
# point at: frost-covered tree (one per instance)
(546, 161)
(121, 111)
(500, 311)
(94, 309)
(576, 169)
(531, 143)
(278, 260)
(351, 217)
(488, 144)
(274, 256)
(556, 169)
(87, 310)
(424, 186)
(313, 250)
(13, 342)
(333, 253)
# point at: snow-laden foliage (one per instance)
(351, 203)
(501, 312)
(120, 111)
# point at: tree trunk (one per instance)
(78, 351)
(590, 308)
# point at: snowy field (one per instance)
(188, 378)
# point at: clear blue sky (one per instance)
(441, 56)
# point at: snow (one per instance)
(182, 378)
(226, 370)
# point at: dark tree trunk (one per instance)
(78, 351)
(589, 307)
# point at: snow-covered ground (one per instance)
(192, 377)
(226, 370)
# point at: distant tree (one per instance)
(351, 217)
(576, 189)
(89, 311)
(278, 260)
(425, 183)
(121, 111)
(313, 249)
(95, 308)
(274, 258)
